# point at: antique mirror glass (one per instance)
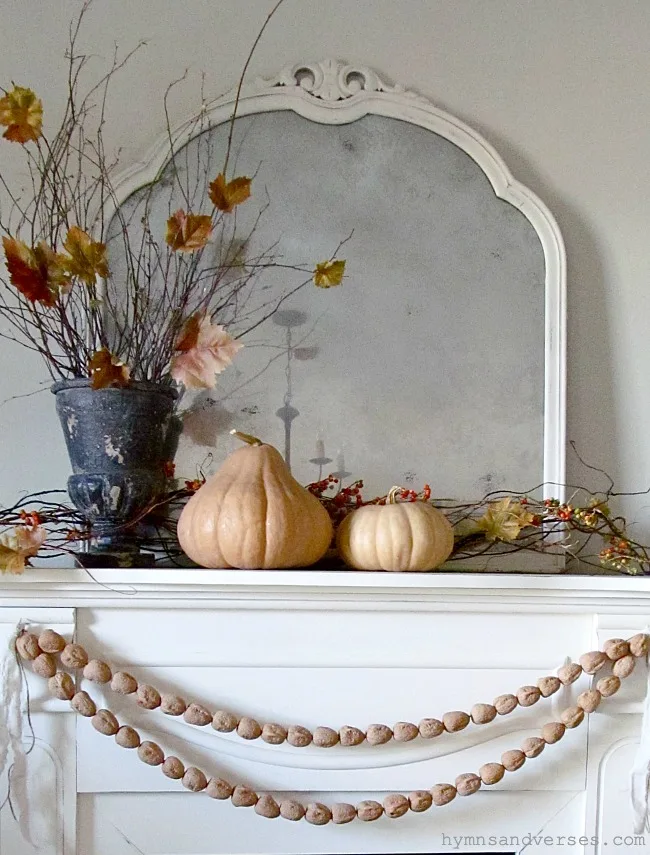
(440, 357)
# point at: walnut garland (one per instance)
(620, 654)
(617, 652)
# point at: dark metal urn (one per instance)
(119, 441)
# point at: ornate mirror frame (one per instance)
(335, 93)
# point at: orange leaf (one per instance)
(22, 114)
(188, 232)
(37, 273)
(205, 350)
(226, 196)
(106, 370)
(87, 258)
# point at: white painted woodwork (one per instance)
(329, 648)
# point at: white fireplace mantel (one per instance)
(314, 647)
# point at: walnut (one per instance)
(219, 789)
(127, 737)
(267, 806)
(351, 735)
(533, 746)
(83, 704)
(27, 646)
(505, 704)
(61, 685)
(483, 713)
(194, 780)
(528, 695)
(442, 794)
(291, 810)
(343, 813)
(44, 665)
(123, 683)
(147, 697)
(197, 714)
(173, 768)
(172, 705)
(549, 686)
(569, 673)
(430, 728)
(608, 686)
(420, 800)
(467, 784)
(224, 722)
(248, 728)
(404, 731)
(491, 773)
(552, 732)
(318, 814)
(455, 721)
(616, 648)
(51, 642)
(325, 737)
(74, 656)
(378, 734)
(572, 716)
(299, 736)
(151, 754)
(395, 805)
(589, 701)
(592, 662)
(369, 811)
(639, 644)
(275, 734)
(244, 797)
(623, 667)
(105, 722)
(97, 671)
(513, 760)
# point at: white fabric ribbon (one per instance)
(640, 783)
(13, 709)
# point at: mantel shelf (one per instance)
(233, 588)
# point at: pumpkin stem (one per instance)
(391, 498)
(246, 437)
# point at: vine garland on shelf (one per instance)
(44, 650)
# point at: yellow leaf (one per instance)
(329, 273)
(225, 196)
(16, 548)
(504, 520)
(22, 114)
(106, 370)
(188, 232)
(86, 258)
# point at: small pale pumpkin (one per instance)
(397, 536)
(252, 514)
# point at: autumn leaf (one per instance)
(225, 196)
(86, 258)
(503, 520)
(37, 273)
(327, 274)
(188, 232)
(17, 548)
(106, 370)
(204, 350)
(22, 114)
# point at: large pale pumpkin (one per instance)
(253, 514)
(398, 536)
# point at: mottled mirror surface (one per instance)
(427, 364)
